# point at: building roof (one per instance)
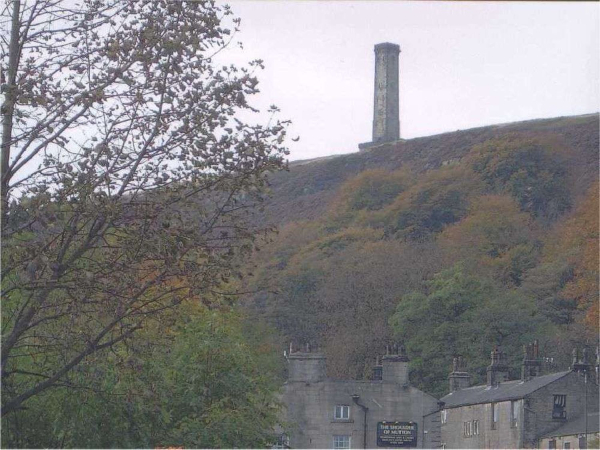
(509, 390)
(577, 426)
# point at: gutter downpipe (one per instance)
(355, 398)
(441, 406)
(585, 381)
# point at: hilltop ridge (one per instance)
(305, 190)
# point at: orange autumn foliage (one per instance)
(577, 241)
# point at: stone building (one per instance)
(574, 434)
(520, 413)
(383, 412)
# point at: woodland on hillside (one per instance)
(496, 247)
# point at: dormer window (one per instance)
(342, 412)
(559, 411)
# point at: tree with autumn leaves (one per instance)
(127, 179)
(576, 243)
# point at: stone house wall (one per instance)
(539, 405)
(501, 435)
(311, 407)
(534, 416)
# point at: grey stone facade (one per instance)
(386, 97)
(312, 402)
(517, 413)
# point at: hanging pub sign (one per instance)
(396, 434)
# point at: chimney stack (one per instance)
(497, 371)
(306, 366)
(581, 364)
(377, 370)
(395, 365)
(459, 377)
(532, 364)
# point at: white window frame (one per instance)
(444, 416)
(475, 427)
(514, 413)
(341, 409)
(468, 428)
(495, 415)
(342, 439)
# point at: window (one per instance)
(444, 415)
(560, 407)
(514, 413)
(494, 415)
(552, 444)
(341, 441)
(471, 428)
(567, 445)
(342, 412)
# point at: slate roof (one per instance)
(577, 426)
(509, 390)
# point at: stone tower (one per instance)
(386, 119)
(386, 101)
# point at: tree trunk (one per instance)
(8, 108)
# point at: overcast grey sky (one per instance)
(462, 65)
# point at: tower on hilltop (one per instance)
(386, 103)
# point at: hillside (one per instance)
(304, 191)
(450, 244)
